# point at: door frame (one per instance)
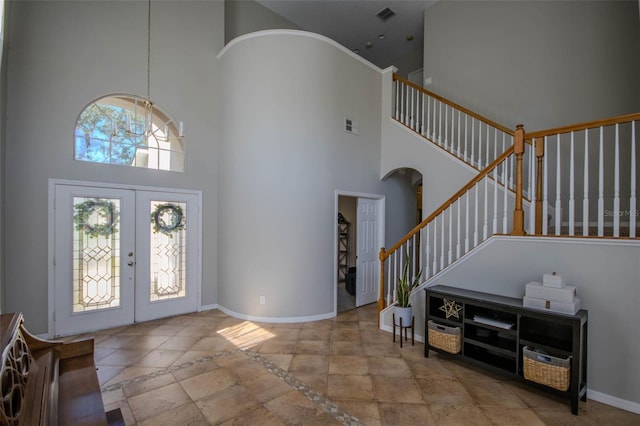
(381, 230)
(51, 236)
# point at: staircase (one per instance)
(573, 181)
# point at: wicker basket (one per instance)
(446, 338)
(546, 369)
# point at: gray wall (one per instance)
(606, 276)
(285, 153)
(539, 63)
(247, 16)
(64, 55)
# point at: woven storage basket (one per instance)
(546, 369)
(446, 338)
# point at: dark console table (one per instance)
(495, 330)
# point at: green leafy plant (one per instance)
(406, 284)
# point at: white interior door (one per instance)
(94, 248)
(368, 246)
(167, 234)
(123, 255)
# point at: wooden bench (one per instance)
(48, 382)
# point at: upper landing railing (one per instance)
(470, 137)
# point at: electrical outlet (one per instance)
(263, 300)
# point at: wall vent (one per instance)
(350, 126)
(385, 14)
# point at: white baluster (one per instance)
(632, 199)
(495, 199)
(442, 235)
(407, 109)
(572, 208)
(485, 221)
(616, 186)
(412, 117)
(601, 185)
(422, 126)
(558, 179)
(473, 139)
(466, 225)
(486, 148)
(446, 127)
(585, 192)
(427, 250)
(479, 145)
(450, 235)
(435, 245)
(397, 100)
(401, 103)
(505, 192)
(459, 147)
(475, 219)
(420, 245)
(531, 190)
(440, 123)
(413, 256)
(545, 192)
(466, 137)
(453, 135)
(428, 116)
(458, 233)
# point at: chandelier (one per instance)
(140, 126)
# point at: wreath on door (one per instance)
(167, 218)
(106, 217)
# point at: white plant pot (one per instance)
(404, 313)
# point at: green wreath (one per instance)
(176, 219)
(107, 217)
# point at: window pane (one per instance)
(127, 130)
(96, 254)
(168, 250)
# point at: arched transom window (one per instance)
(130, 131)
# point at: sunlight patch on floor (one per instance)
(246, 334)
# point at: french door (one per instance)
(122, 256)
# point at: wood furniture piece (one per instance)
(500, 346)
(401, 327)
(48, 382)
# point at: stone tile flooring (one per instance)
(209, 368)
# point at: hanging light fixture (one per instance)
(144, 128)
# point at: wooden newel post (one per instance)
(381, 300)
(518, 213)
(539, 144)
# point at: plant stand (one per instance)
(405, 327)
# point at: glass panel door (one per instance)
(167, 241)
(94, 258)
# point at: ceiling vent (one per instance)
(385, 14)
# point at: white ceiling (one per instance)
(353, 23)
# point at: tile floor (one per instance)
(209, 368)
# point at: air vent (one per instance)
(385, 14)
(350, 126)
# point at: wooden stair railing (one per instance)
(542, 180)
(470, 137)
(597, 159)
(478, 210)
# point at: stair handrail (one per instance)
(469, 136)
(385, 254)
(486, 120)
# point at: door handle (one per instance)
(131, 263)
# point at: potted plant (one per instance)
(406, 285)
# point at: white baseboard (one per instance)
(268, 319)
(622, 404)
(207, 307)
